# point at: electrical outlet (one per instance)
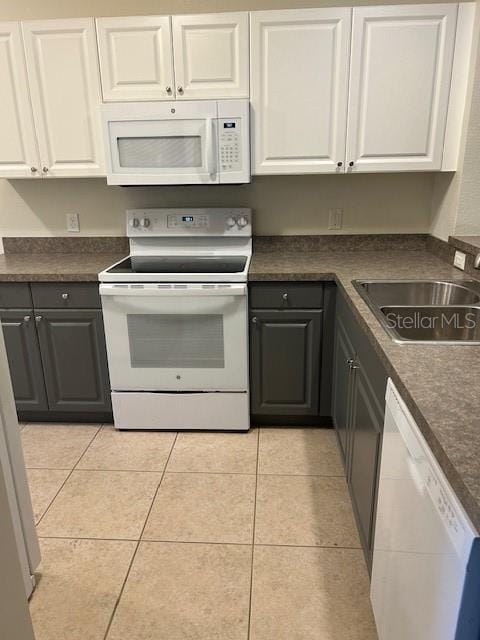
(335, 218)
(459, 260)
(73, 222)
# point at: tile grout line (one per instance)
(120, 594)
(206, 542)
(253, 537)
(68, 476)
(216, 473)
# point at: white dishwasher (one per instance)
(426, 561)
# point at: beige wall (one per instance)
(282, 204)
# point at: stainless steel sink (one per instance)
(419, 292)
(425, 311)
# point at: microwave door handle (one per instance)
(210, 143)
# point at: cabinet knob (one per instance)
(254, 320)
(350, 362)
(169, 90)
(26, 318)
(180, 90)
(285, 296)
(339, 164)
(45, 169)
(65, 296)
(38, 318)
(351, 163)
(33, 169)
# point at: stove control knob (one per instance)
(134, 222)
(242, 222)
(231, 222)
(145, 223)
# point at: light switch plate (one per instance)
(73, 222)
(459, 260)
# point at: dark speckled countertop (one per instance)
(55, 267)
(440, 384)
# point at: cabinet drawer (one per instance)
(286, 295)
(66, 296)
(15, 296)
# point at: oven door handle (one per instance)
(127, 291)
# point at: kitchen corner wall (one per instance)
(283, 205)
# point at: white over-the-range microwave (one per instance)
(164, 143)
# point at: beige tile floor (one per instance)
(195, 536)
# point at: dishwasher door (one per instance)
(423, 538)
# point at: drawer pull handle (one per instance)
(38, 318)
(26, 318)
(285, 296)
(254, 320)
(65, 296)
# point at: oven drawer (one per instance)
(15, 296)
(173, 411)
(66, 296)
(286, 295)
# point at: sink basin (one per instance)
(425, 311)
(420, 292)
(438, 324)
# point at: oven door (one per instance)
(176, 337)
(167, 143)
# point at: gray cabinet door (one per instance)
(344, 354)
(24, 359)
(285, 362)
(367, 426)
(72, 345)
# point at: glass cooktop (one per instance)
(180, 264)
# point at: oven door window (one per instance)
(185, 341)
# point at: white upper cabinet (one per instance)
(211, 55)
(18, 146)
(62, 67)
(136, 58)
(400, 76)
(299, 76)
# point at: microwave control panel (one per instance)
(230, 135)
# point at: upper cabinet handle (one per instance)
(33, 169)
(45, 169)
(180, 90)
(169, 90)
(351, 163)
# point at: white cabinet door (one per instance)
(136, 60)
(211, 55)
(63, 73)
(18, 146)
(399, 86)
(299, 73)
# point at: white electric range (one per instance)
(176, 320)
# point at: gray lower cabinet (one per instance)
(285, 362)
(57, 356)
(24, 359)
(359, 383)
(291, 351)
(72, 346)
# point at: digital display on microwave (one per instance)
(187, 218)
(229, 125)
